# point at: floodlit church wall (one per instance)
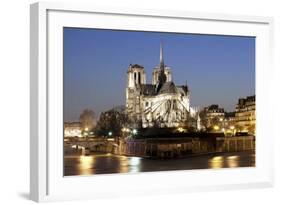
(135, 76)
(168, 106)
(170, 109)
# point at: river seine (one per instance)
(102, 163)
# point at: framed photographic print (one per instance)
(127, 102)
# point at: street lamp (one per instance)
(135, 131)
(125, 131)
(216, 127)
(180, 129)
(110, 133)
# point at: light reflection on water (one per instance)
(109, 163)
(103, 163)
(216, 162)
(227, 161)
(233, 161)
(135, 163)
(85, 164)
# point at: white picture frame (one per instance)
(46, 163)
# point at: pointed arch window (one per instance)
(139, 78)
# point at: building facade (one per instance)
(161, 103)
(245, 114)
(72, 129)
(214, 116)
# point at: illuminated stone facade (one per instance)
(245, 115)
(72, 129)
(160, 103)
(215, 115)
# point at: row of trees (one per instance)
(111, 121)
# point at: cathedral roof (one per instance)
(168, 87)
(182, 89)
(147, 89)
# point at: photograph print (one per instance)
(140, 101)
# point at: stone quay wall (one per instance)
(169, 148)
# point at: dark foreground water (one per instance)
(108, 163)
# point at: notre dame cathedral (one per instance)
(161, 103)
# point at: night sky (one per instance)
(218, 69)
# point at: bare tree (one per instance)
(87, 119)
(204, 118)
(215, 121)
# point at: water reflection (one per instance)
(216, 162)
(109, 163)
(85, 165)
(135, 164)
(227, 161)
(233, 161)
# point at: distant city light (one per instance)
(232, 127)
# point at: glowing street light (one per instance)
(124, 129)
(216, 127)
(180, 129)
(135, 131)
(110, 133)
(233, 129)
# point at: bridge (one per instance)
(91, 143)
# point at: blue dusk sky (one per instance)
(218, 69)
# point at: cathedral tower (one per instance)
(136, 75)
(135, 79)
(161, 70)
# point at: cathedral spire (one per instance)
(161, 77)
(161, 57)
